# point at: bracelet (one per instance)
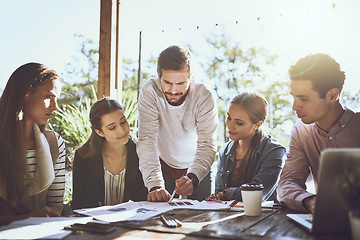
(194, 180)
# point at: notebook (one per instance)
(331, 212)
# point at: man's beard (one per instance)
(178, 102)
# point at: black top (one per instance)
(89, 184)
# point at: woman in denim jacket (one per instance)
(250, 156)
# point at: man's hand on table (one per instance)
(184, 186)
(158, 195)
(309, 203)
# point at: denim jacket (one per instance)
(270, 158)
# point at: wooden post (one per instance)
(139, 69)
(109, 82)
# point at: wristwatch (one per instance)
(194, 179)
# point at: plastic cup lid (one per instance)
(252, 186)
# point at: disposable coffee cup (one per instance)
(252, 197)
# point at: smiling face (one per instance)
(114, 127)
(175, 85)
(307, 103)
(41, 102)
(239, 124)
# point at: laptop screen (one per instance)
(331, 212)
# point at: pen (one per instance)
(168, 222)
(218, 201)
(179, 224)
(232, 204)
(173, 194)
(273, 207)
(240, 206)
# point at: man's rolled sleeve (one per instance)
(291, 190)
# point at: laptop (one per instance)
(331, 212)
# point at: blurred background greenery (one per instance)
(228, 69)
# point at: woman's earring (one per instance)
(20, 115)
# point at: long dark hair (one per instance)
(13, 166)
(93, 146)
(256, 107)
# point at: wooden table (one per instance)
(213, 225)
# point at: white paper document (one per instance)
(144, 210)
(40, 228)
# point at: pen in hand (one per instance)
(176, 187)
(173, 194)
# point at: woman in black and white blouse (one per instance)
(106, 167)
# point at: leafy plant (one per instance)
(232, 68)
(73, 125)
(129, 103)
(348, 184)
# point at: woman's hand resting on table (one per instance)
(227, 194)
(44, 212)
(219, 196)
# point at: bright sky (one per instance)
(42, 30)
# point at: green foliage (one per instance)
(351, 101)
(129, 102)
(83, 67)
(68, 188)
(72, 123)
(73, 93)
(130, 73)
(348, 184)
(229, 70)
(81, 74)
(79, 93)
(232, 69)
